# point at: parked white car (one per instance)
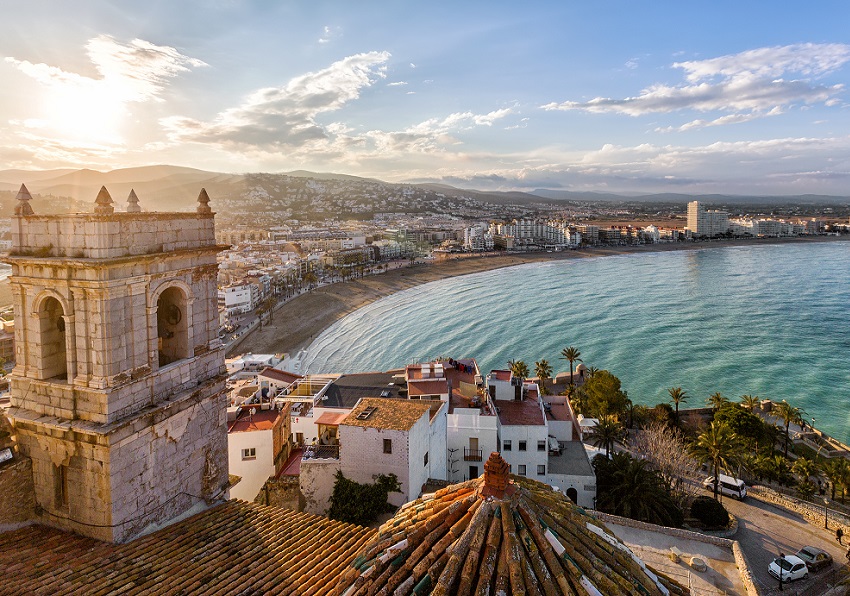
(788, 568)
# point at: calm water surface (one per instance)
(766, 320)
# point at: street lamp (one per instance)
(825, 514)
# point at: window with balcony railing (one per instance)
(472, 454)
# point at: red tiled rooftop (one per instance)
(428, 387)
(280, 375)
(526, 412)
(501, 375)
(498, 534)
(261, 420)
(331, 418)
(233, 548)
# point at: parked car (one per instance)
(728, 486)
(815, 558)
(788, 568)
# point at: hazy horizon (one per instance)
(620, 98)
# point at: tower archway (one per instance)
(172, 326)
(52, 343)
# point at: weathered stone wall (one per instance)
(17, 500)
(282, 492)
(167, 467)
(91, 236)
(317, 484)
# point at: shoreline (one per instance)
(298, 322)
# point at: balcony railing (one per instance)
(471, 454)
(321, 452)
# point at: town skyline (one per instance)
(589, 98)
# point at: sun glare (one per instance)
(85, 115)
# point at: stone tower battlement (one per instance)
(93, 236)
(117, 392)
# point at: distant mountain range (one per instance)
(164, 187)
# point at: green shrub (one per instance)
(710, 512)
(361, 504)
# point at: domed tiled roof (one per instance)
(498, 534)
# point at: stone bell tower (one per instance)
(117, 392)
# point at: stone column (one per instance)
(83, 343)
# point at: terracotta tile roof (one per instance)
(391, 414)
(499, 535)
(501, 375)
(428, 387)
(233, 548)
(331, 418)
(279, 375)
(526, 412)
(260, 420)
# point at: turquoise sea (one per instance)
(769, 320)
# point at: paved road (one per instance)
(766, 530)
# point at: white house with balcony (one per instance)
(380, 436)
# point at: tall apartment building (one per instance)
(706, 223)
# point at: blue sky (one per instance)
(607, 96)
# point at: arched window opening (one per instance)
(52, 347)
(572, 494)
(171, 326)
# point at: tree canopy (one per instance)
(361, 503)
(629, 487)
(604, 396)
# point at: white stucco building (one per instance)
(257, 447)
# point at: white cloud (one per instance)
(286, 116)
(433, 134)
(807, 59)
(397, 84)
(749, 85)
(134, 72)
(329, 33)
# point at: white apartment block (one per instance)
(239, 298)
(706, 223)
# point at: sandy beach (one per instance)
(300, 320)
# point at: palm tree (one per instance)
(806, 469)
(678, 396)
(718, 446)
(716, 400)
(835, 471)
(518, 368)
(590, 371)
(543, 370)
(572, 355)
(629, 487)
(789, 415)
(606, 433)
(750, 402)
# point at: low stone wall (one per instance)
(744, 569)
(676, 532)
(812, 513)
(17, 495)
(737, 553)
